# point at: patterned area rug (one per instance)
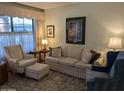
(55, 81)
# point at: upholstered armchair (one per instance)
(17, 60)
(109, 84)
(114, 71)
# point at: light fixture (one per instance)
(115, 43)
(44, 43)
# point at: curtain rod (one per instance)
(23, 6)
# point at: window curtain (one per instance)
(24, 39)
(39, 33)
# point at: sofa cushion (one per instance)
(81, 65)
(68, 61)
(52, 59)
(90, 75)
(86, 57)
(74, 52)
(27, 62)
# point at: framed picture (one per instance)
(75, 30)
(50, 31)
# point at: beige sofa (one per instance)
(70, 62)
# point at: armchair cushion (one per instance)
(13, 60)
(28, 56)
(15, 52)
(27, 62)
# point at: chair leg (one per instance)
(12, 72)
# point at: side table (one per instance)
(3, 72)
(44, 54)
(35, 53)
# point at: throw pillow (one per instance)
(86, 56)
(99, 61)
(50, 50)
(56, 52)
(94, 57)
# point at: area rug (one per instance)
(54, 81)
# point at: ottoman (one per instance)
(37, 71)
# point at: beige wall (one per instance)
(103, 20)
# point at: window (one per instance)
(22, 24)
(28, 26)
(5, 24)
(15, 24)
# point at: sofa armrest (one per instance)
(99, 68)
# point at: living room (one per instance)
(62, 63)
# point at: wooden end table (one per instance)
(39, 53)
(44, 54)
(35, 54)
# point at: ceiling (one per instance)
(46, 5)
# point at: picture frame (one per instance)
(50, 31)
(75, 30)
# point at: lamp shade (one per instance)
(44, 41)
(115, 43)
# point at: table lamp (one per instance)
(115, 43)
(44, 43)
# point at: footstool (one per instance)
(37, 71)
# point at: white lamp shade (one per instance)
(44, 41)
(115, 43)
